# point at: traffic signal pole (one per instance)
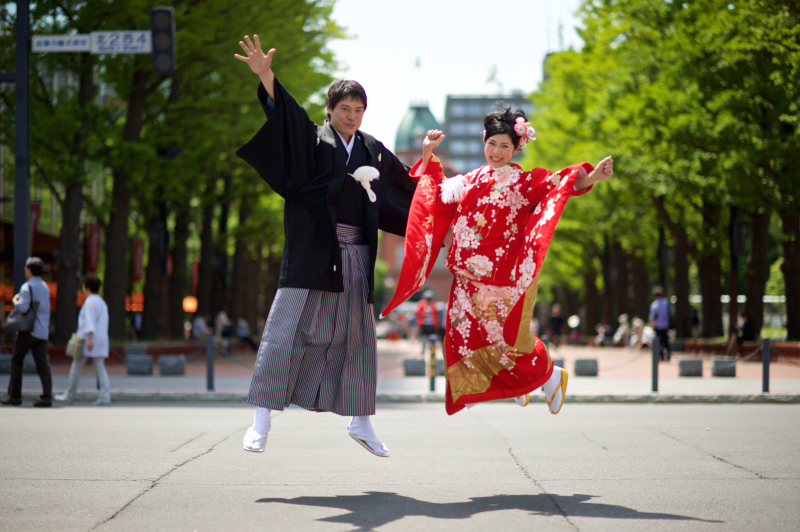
(22, 170)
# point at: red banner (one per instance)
(36, 210)
(138, 258)
(92, 248)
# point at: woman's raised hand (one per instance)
(258, 62)
(603, 170)
(432, 139)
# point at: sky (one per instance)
(457, 44)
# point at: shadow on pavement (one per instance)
(375, 509)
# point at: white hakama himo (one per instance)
(318, 349)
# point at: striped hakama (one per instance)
(318, 349)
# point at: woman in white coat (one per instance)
(93, 328)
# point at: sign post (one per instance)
(22, 171)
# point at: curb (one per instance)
(399, 398)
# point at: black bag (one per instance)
(17, 321)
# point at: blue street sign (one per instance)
(121, 42)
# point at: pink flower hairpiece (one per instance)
(525, 132)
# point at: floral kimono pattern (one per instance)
(502, 220)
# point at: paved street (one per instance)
(495, 467)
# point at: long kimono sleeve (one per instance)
(429, 220)
(548, 194)
(282, 151)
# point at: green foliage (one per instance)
(174, 136)
(696, 101)
(776, 286)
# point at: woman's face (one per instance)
(498, 150)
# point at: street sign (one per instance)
(121, 42)
(97, 42)
(60, 43)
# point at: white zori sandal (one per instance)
(253, 441)
(523, 400)
(555, 400)
(364, 442)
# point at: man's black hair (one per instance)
(345, 88)
(92, 283)
(35, 265)
(502, 121)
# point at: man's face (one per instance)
(346, 116)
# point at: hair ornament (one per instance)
(524, 131)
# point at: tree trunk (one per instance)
(683, 309)
(151, 315)
(68, 262)
(71, 208)
(220, 296)
(757, 273)
(608, 307)
(205, 274)
(593, 313)
(710, 273)
(179, 279)
(240, 276)
(251, 311)
(790, 238)
(619, 286)
(640, 287)
(116, 252)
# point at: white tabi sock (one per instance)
(552, 383)
(261, 420)
(361, 426)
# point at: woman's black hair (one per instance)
(502, 121)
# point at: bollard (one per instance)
(765, 356)
(656, 357)
(210, 363)
(432, 341)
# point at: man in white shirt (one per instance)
(35, 341)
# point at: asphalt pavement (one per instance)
(593, 467)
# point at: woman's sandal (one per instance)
(563, 386)
(523, 403)
(362, 440)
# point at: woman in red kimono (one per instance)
(502, 219)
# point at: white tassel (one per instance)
(364, 175)
(453, 188)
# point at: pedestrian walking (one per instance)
(340, 185)
(93, 328)
(34, 290)
(659, 320)
(503, 219)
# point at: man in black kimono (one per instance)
(340, 185)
